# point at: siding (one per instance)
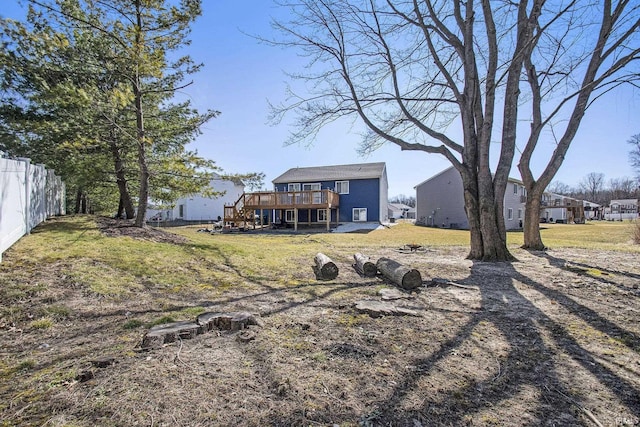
(363, 193)
(513, 201)
(440, 201)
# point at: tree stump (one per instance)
(364, 266)
(170, 332)
(325, 268)
(227, 321)
(401, 275)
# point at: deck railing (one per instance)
(291, 199)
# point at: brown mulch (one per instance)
(122, 227)
(550, 340)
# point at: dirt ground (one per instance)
(550, 340)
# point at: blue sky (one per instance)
(241, 75)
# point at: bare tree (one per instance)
(587, 48)
(592, 186)
(634, 154)
(622, 188)
(413, 70)
(558, 187)
(405, 200)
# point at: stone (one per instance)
(388, 294)
(382, 308)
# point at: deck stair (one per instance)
(239, 215)
(242, 214)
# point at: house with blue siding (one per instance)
(319, 195)
(363, 188)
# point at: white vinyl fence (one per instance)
(29, 194)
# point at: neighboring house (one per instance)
(559, 208)
(440, 203)
(592, 210)
(362, 189)
(317, 195)
(622, 209)
(199, 208)
(401, 211)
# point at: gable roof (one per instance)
(330, 173)
(400, 206)
(509, 179)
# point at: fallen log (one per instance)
(364, 266)
(401, 275)
(326, 269)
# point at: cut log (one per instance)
(364, 266)
(170, 332)
(326, 269)
(401, 275)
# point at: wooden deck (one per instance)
(243, 212)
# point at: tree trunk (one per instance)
(532, 237)
(401, 275)
(120, 208)
(143, 195)
(125, 203)
(364, 266)
(78, 200)
(488, 243)
(326, 269)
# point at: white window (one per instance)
(322, 215)
(181, 211)
(293, 187)
(509, 213)
(316, 196)
(289, 215)
(359, 214)
(342, 187)
(515, 188)
(519, 213)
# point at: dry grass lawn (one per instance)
(552, 339)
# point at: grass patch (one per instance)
(132, 324)
(635, 232)
(57, 312)
(26, 365)
(161, 321)
(192, 311)
(44, 323)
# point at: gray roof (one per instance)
(331, 173)
(400, 206)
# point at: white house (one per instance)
(401, 211)
(196, 207)
(622, 209)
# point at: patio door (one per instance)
(359, 214)
(316, 195)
